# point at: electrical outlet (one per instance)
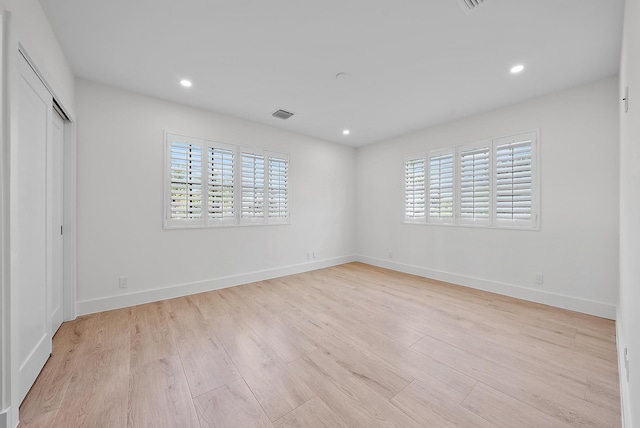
(539, 278)
(123, 282)
(308, 255)
(313, 254)
(390, 254)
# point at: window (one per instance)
(278, 187)
(475, 184)
(414, 189)
(252, 186)
(441, 186)
(212, 184)
(491, 183)
(221, 189)
(514, 179)
(186, 180)
(265, 187)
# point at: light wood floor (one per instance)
(349, 346)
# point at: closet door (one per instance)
(30, 278)
(55, 182)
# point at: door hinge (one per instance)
(60, 229)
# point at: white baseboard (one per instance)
(540, 296)
(624, 385)
(85, 307)
(590, 307)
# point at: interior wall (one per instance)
(35, 35)
(576, 248)
(628, 322)
(120, 204)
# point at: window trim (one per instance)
(210, 222)
(534, 221)
(493, 221)
(287, 195)
(440, 153)
(414, 219)
(461, 150)
(205, 220)
(169, 221)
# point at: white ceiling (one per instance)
(413, 63)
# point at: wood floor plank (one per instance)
(56, 375)
(545, 393)
(97, 395)
(504, 411)
(275, 386)
(352, 345)
(151, 337)
(206, 366)
(42, 420)
(288, 343)
(211, 305)
(231, 406)
(312, 414)
(430, 408)
(377, 346)
(159, 396)
(603, 394)
(349, 398)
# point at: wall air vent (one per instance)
(282, 114)
(470, 5)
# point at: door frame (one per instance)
(10, 53)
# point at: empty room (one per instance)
(320, 214)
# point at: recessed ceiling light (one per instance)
(517, 68)
(346, 132)
(186, 83)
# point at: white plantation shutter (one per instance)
(210, 184)
(475, 184)
(492, 183)
(185, 180)
(414, 189)
(441, 170)
(514, 181)
(253, 186)
(221, 184)
(278, 187)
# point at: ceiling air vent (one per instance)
(282, 114)
(470, 5)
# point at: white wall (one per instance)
(30, 25)
(577, 246)
(120, 204)
(629, 316)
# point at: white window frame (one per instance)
(533, 221)
(259, 215)
(205, 218)
(481, 146)
(420, 157)
(277, 184)
(224, 220)
(171, 222)
(494, 219)
(432, 182)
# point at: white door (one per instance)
(57, 221)
(30, 224)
